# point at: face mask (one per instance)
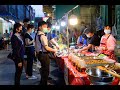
(107, 31)
(45, 30)
(48, 31)
(88, 36)
(20, 31)
(35, 31)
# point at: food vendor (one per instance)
(82, 39)
(107, 43)
(92, 41)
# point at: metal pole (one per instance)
(68, 44)
(67, 35)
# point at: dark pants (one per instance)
(45, 67)
(30, 58)
(35, 59)
(18, 72)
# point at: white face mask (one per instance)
(45, 30)
(107, 31)
(88, 36)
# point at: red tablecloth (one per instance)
(60, 63)
(75, 77)
(79, 78)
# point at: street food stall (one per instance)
(85, 68)
(82, 68)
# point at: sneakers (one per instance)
(50, 82)
(38, 65)
(34, 69)
(35, 63)
(31, 77)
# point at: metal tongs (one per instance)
(109, 71)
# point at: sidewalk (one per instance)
(4, 53)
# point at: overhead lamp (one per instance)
(48, 14)
(73, 20)
(32, 21)
(13, 22)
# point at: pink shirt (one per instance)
(110, 43)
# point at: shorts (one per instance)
(6, 41)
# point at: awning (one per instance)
(61, 10)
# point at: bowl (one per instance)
(99, 77)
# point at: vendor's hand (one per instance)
(58, 47)
(103, 48)
(96, 48)
(55, 50)
(20, 64)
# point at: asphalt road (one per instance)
(7, 70)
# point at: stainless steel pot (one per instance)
(99, 77)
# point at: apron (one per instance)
(110, 54)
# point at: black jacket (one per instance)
(17, 48)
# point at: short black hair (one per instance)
(88, 30)
(108, 25)
(26, 20)
(30, 26)
(49, 25)
(53, 31)
(41, 23)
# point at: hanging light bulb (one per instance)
(63, 23)
(73, 20)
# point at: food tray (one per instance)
(90, 57)
(96, 62)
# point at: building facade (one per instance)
(14, 13)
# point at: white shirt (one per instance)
(44, 42)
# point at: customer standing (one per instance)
(51, 40)
(26, 21)
(34, 31)
(6, 38)
(51, 36)
(29, 47)
(42, 49)
(18, 51)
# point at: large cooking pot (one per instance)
(99, 77)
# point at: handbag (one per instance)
(10, 56)
(50, 54)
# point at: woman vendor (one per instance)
(107, 43)
(92, 41)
